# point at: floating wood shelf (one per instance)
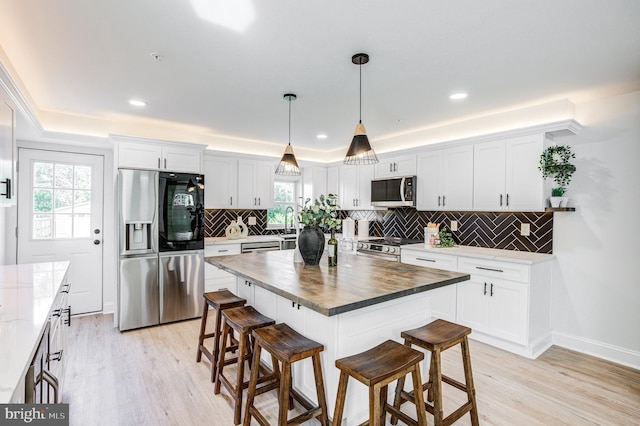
(560, 209)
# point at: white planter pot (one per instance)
(555, 201)
(564, 201)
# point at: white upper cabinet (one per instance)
(160, 156)
(333, 181)
(8, 151)
(255, 184)
(355, 187)
(314, 182)
(403, 165)
(506, 175)
(445, 179)
(221, 182)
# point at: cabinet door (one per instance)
(177, 159)
(265, 175)
(247, 198)
(385, 168)
(429, 175)
(139, 155)
(405, 165)
(507, 310)
(244, 289)
(488, 176)
(457, 178)
(314, 182)
(221, 182)
(524, 184)
(471, 304)
(349, 187)
(8, 152)
(365, 174)
(333, 181)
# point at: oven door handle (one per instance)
(379, 256)
(402, 185)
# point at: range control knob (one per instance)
(359, 245)
(392, 250)
(386, 249)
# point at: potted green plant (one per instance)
(555, 163)
(318, 217)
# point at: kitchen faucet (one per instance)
(286, 213)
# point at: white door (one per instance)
(60, 218)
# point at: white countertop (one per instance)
(485, 253)
(27, 293)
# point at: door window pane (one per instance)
(65, 191)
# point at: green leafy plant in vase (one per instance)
(318, 217)
(555, 163)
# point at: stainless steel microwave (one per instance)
(394, 192)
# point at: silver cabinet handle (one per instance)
(438, 201)
(390, 167)
(259, 202)
(491, 293)
(255, 201)
(444, 201)
(56, 356)
(489, 269)
(426, 260)
(7, 194)
(507, 200)
(230, 201)
(68, 312)
(485, 289)
(158, 162)
(500, 200)
(165, 163)
(222, 251)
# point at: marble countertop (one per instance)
(356, 282)
(27, 293)
(485, 253)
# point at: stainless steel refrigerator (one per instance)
(161, 246)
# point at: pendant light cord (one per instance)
(289, 120)
(360, 66)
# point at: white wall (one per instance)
(8, 223)
(596, 285)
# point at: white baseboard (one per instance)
(598, 349)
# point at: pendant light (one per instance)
(360, 151)
(288, 165)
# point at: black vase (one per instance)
(311, 244)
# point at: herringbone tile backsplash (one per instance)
(481, 229)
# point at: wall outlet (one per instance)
(252, 220)
(525, 229)
(454, 225)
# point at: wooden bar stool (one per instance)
(437, 337)
(376, 368)
(286, 346)
(219, 301)
(243, 321)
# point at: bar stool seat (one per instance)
(219, 301)
(243, 321)
(376, 368)
(436, 337)
(286, 346)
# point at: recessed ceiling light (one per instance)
(460, 95)
(137, 102)
(321, 136)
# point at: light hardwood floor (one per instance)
(150, 377)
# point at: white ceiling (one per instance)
(80, 61)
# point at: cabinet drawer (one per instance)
(429, 259)
(494, 269)
(221, 249)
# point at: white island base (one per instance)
(342, 335)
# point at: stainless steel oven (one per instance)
(383, 248)
(259, 246)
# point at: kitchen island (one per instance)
(349, 308)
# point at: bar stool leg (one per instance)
(468, 377)
(322, 400)
(220, 360)
(216, 344)
(436, 385)
(340, 397)
(203, 326)
(253, 383)
(419, 398)
(242, 350)
(285, 400)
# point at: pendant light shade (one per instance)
(360, 151)
(288, 165)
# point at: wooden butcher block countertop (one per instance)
(356, 282)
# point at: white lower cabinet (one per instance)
(215, 278)
(442, 301)
(506, 303)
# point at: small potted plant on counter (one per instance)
(555, 163)
(317, 218)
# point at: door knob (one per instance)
(96, 242)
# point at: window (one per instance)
(284, 204)
(61, 201)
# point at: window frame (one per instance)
(296, 196)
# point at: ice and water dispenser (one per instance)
(138, 237)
